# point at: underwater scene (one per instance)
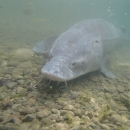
(64, 64)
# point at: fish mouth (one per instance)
(55, 73)
(53, 77)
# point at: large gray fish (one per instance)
(81, 49)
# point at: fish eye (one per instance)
(96, 41)
(83, 62)
(73, 64)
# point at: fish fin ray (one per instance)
(45, 46)
(105, 67)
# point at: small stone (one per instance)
(78, 112)
(35, 126)
(1, 118)
(103, 126)
(120, 89)
(49, 104)
(9, 104)
(8, 76)
(30, 110)
(54, 117)
(9, 126)
(46, 121)
(74, 95)
(61, 126)
(61, 101)
(55, 111)
(25, 126)
(17, 74)
(20, 82)
(42, 114)
(28, 118)
(16, 107)
(11, 85)
(19, 89)
(116, 118)
(69, 107)
(77, 127)
(22, 54)
(16, 121)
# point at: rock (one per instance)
(8, 126)
(28, 118)
(116, 118)
(16, 121)
(17, 74)
(69, 107)
(42, 114)
(20, 82)
(11, 85)
(7, 76)
(74, 95)
(78, 112)
(54, 117)
(25, 126)
(21, 90)
(9, 104)
(25, 65)
(61, 126)
(49, 104)
(105, 127)
(35, 126)
(1, 118)
(45, 128)
(46, 121)
(95, 127)
(55, 111)
(120, 88)
(77, 127)
(61, 101)
(30, 110)
(15, 107)
(22, 54)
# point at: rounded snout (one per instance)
(57, 72)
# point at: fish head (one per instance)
(57, 69)
(72, 62)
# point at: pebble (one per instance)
(78, 112)
(11, 85)
(77, 127)
(28, 118)
(55, 111)
(74, 95)
(116, 118)
(16, 121)
(42, 114)
(9, 127)
(69, 107)
(120, 88)
(16, 74)
(61, 126)
(54, 117)
(30, 110)
(25, 126)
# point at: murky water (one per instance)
(23, 23)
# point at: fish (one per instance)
(83, 48)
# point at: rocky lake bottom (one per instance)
(92, 102)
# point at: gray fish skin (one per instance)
(81, 49)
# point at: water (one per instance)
(31, 20)
(23, 23)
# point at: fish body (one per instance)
(81, 49)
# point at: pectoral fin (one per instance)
(105, 68)
(44, 46)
